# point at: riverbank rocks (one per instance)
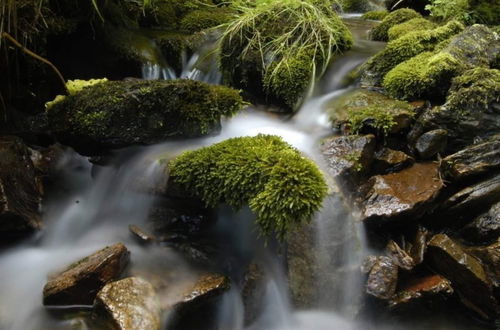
(383, 278)
(387, 160)
(431, 143)
(490, 258)
(380, 32)
(130, 304)
(80, 282)
(20, 190)
(484, 228)
(421, 288)
(466, 274)
(402, 194)
(117, 114)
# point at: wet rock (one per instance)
(473, 199)
(490, 257)
(399, 256)
(368, 264)
(465, 272)
(253, 292)
(473, 160)
(388, 160)
(140, 235)
(431, 143)
(485, 227)
(46, 161)
(409, 192)
(348, 157)
(131, 304)
(383, 279)
(20, 190)
(80, 282)
(419, 245)
(428, 287)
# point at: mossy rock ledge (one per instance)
(117, 114)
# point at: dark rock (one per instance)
(348, 157)
(140, 235)
(473, 160)
(419, 246)
(80, 282)
(253, 292)
(20, 190)
(428, 287)
(399, 256)
(383, 279)
(490, 257)
(387, 161)
(431, 143)
(130, 304)
(46, 161)
(465, 272)
(485, 227)
(397, 195)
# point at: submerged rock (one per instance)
(383, 278)
(80, 282)
(429, 287)
(466, 274)
(117, 114)
(388, 160)
(431, 143)
(20, 190)
(484, 228)
(409, 192)
(130, 304)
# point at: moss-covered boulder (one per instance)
(116, 114)
(199, 20)
(380, 32)
(404, 48)
(281, 187)
(415, 24)
(276, 63)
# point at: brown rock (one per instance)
(130, 304)
(427, 287)
(419, 246)
(383, 279)
(140, 235)
(490, 257)
(387, 160)
(399, 256)
(485, 227)
(80, 282)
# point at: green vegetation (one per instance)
(415, 24)
(485, 11)
(282, 187)
(377, 116)
(198, 20)
(375, 15)
(357, 6)
(380, 32)
(445, 10)
(264, 57)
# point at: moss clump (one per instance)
(282, 187)
(377, 15)
(198, 20)
(380, 32)
(408, 46)
(261, 56)
(355, 5)
(415, 24)
(427, 75)
(120, 113)
(476, 90)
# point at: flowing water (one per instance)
(86, 213)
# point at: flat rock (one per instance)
(399, 194)
(421, 288)
(466, 273)
(485, 227)
(140, 235)
(383, 278)
(387, 160)
(473, 160)
(431, 143)
(82, 280)
(20, 190)
(130, 304)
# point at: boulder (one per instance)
(417, 289)
(484, 228)
(403, 194)
(466, 274)
(431, 143)
(383, 278)
(117, 114)
(388, 160)
(129, 304)
(20, 190)
(473, 160)
(399, 256)
(82, 280)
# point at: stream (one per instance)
(93, 207)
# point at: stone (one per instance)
(20, 190)
(130, 304)
(253, 289)
(431, 143)
(484, 228)
(388, 160)
(382, 279)
(490, 257)
(82, 280)
(466, 274)
(402, 194)
(473, 160)
(47, 161)
(399, 256)
(419, 246)
(368, 264)
(140, 235)
(415, 289)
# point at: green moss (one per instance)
(380, 32)
(375, 15)
(415, 24)
(256, 52)
(408, 46)
(169, 13)
(355, 5)
(427, 75)
(282, 188)
(485, 11)
(380, 118)
(475, 90)
(203, 19)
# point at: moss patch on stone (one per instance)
(282, 187)
(375, 15)
(415, 24)
(199, 20)
(380, 32)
